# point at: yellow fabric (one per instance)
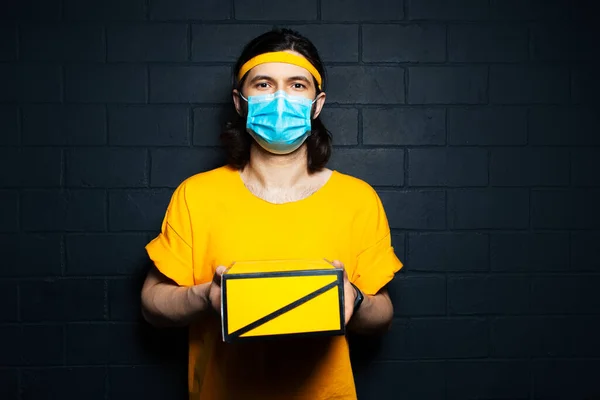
(282, 57)
(213, 219)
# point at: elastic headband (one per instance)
(282, 57)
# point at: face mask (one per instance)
(279, 123)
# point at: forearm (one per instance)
(165, 304)
(373, 316)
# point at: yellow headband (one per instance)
(282, 57)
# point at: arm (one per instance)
(374, 314)
(164, 303)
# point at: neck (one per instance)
(275, 170)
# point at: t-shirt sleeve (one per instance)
(376, 262)
(171, 250)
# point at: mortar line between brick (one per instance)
(232, 10)
(17, 41)
(319, 16)
(360, 44)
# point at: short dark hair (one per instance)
(234, 137)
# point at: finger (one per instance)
(338, 264)
(218, 275)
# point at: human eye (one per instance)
(299, 86)
(262, 85)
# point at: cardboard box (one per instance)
(282, 298)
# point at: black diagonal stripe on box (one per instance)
(282, 310)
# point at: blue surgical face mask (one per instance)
(279, 123)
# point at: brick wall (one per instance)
(476, 120)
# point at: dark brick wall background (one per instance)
(476, 120)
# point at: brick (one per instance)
(553, 43)
(499, 294)
(37, 352)
(268, 10)
(511, 84)
(61, 42)
(418, 295)
(448, 252)
(190, 10)
(226, 41)
(148, 126)
(62, 382)
(9, 125)
(566, 294)
(62, 125)
(462, 338)
(87, 254)
(74, 210)
(78, 338)
(9, 211)
(9, 383)
(8, 42)
(423, 380)
(448, 10)
(378, 167)
(343, 125)
(106, 167)
(520, 10)
(30, 167)
(585, 252)
(459, 85)
(487, 43)
(208, 123)
(30, 10)
(398, 240)
(584, 85)
(565, 379)
(29, 255)
(129, 344)
(62, 300)
(404, 43)
(584, 164)
(138, 210)
(487, 379)
(563, 126)
(488, 209)
(529, 167)
(111, 84)
(545, 337)
(10, 345)
(8, 299)
(362, 10)
(170, 167)
(190, 84)
(147, 42)
(489, 126)
(404, 126)
(335, 43)
(113, 10)
(424, 209)
(561, 209)
(378, 85)
(124, 299)
(528, 252)
(447, 167)
(30, 83)
(147, 382)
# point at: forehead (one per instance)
(278, 70)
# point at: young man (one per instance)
(274, 200)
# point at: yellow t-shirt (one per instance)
(213, 219)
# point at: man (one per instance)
(274, 200)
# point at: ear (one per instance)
(237, 101)
(319, 103)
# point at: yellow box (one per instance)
(282, 298)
